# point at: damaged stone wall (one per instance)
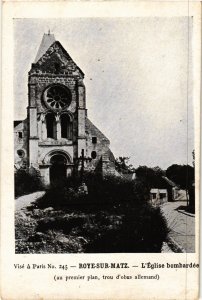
(20, 144)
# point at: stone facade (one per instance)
(56, 130)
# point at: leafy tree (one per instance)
(182, 175)
(122, 165)
(151, 177)
(27, 181)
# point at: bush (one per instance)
(27, 181)
(60, 197)
(113, 217)
(143, 230)
(109, 190)
(113, 189)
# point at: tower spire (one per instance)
(47, 40)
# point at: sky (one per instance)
(135, 76)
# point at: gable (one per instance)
(56, 60)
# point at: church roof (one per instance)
(110, 155)
(47, 40)
(90, 127)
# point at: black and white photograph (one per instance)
(100, 150)
(104, 136)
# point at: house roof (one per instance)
(158, 190)
(47, 40)
(170, 182)
(90, 127)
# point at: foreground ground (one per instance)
(57, 231)
(86, 228)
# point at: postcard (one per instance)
(100, 158)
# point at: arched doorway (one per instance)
(58, 169)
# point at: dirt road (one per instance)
(181, 225)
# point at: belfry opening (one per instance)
(66, 127)
(51, 126)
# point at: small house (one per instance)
(158, 196)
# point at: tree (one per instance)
(191, 189)
(152, 177)
(193, 155)
(182, 175)
(27, 181)
(122, 165)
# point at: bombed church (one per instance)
(57, 137)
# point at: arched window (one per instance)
(66, 127)
(51, 126)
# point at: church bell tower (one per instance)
(57, 137)
(56, 111)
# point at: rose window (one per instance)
(57, 97)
